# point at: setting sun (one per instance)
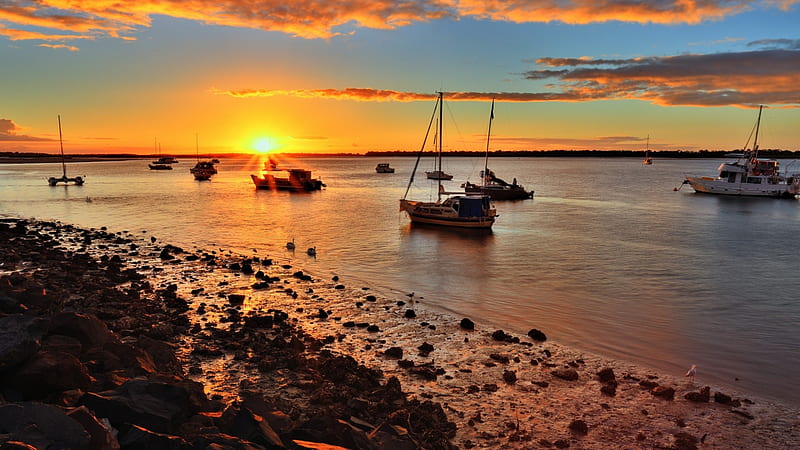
(264, 145)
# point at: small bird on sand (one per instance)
(692, 371)
(290, 245)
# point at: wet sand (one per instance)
(500, 390)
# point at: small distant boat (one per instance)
(202, 170)
(647, 159)
(156, 166)
(384, 168)
(438, 175)
(163, 162)
(492, 186)
(458, 209)
(274, 178)
(749, 176)
(52, 181)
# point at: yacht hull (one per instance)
(432, 213)
(708, 185)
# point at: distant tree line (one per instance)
(764, 153)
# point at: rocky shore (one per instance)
(118, 340)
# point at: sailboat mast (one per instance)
(439, 175)
(61, 143)
(758, 124)
(197, 147)
(421, 149)
(486, 157)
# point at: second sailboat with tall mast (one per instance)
(492, 186)
(458, 209)
(52, 181)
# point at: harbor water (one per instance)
(607, 258)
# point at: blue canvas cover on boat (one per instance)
(470, 207)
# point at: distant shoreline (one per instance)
(33, 158)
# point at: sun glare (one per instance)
(264, 145)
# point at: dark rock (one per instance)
(537, 335)
(91, 331)
(605, 375)
(685, 441)
(647, 384)
(704, 395)
(410, 314)
(235, 299)
(371, 298)
(100, 436)
(247, 425)
(394, 352)
(20, 338)
(725, 399)
(609, 388)
(373, 329)
(425, 349)
(578, 426)
(150, 403)
(139, 438)
(467, 324)
(330, 430)
(61, 343)
(510, 376)
(667, 393)
(49, 373)
(163, 355)
(566, 374)
(41, 425)
(501, 335)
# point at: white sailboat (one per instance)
(749, 176)
(52, 181)
(496, 188)
(458, 209)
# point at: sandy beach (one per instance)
(496, 389)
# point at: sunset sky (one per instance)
(356, 76)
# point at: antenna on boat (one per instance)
(61, 143)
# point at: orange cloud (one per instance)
(58, 46)
(745, 79)
(9, 130)
(596, 11)
(367, 94)
(325, 19)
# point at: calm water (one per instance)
(607, 258)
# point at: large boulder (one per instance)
(159, 405)
(42, 426)
(91, 331)
(48, 373)
(20, 338)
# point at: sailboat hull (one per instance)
(53, 181)
(443, 214)
(497, 192)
